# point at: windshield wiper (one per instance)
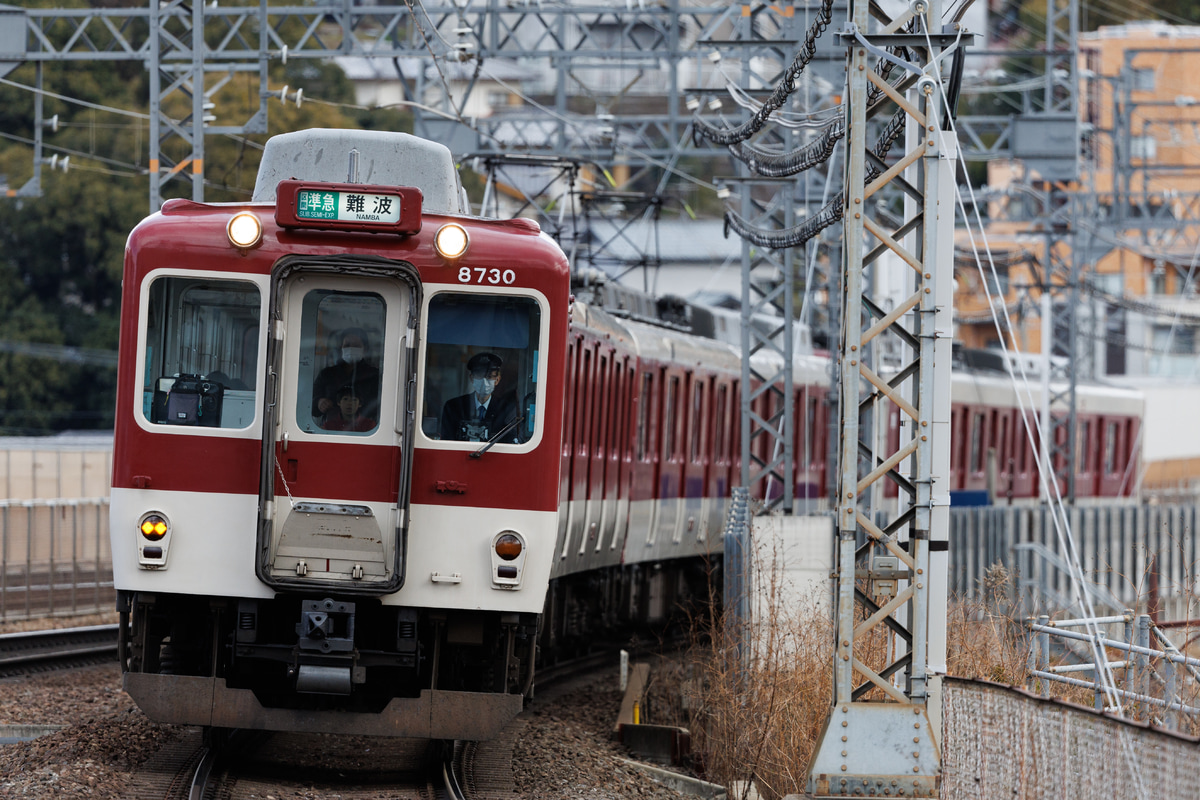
(496, 438)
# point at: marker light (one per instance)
(154, 527)
(244, 230)
(508, 546)
(451, 240)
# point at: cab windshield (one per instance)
(201, 352)
(481, 368)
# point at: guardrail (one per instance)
(1164, 679)
(54, 558)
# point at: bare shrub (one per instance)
(758, 702)
(757, 699)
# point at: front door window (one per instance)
(338, 382)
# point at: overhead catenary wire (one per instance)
(795, 120)
(783, 89)
(779, 165)
(830, 213)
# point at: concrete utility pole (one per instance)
(883, 732)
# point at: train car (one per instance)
(310, 531)
(994, 459)
(315, 527)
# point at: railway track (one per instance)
(196, 765)
(43, 651)
(239, 765)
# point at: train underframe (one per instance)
(353, 665)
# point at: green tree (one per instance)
(62, 254)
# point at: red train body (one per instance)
(394, 570)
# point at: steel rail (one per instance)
(63, 648)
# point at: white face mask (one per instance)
(482, 386)
(352, 355)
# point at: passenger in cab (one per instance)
(351, 369)
(348, 416)
(482, 414)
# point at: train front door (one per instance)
(337, 448)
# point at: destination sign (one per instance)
(347, 206)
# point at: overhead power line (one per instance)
(783, 89)
(57, 352)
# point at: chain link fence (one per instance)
(1001, 742)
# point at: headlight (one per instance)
(451, 240)
(244, 230)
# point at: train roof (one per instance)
(656, 342)
(385, 158)
(996, 388)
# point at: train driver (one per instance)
(351, 369)
(482, 413)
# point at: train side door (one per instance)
(338, 444)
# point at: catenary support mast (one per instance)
(883, 732)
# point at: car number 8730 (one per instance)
(496, 277)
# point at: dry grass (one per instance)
(983, 638)
(761, 722)
(756, 705)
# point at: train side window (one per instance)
(811, 432)
(603, 415)
(1026, 443)
(339, 381)
(670, 418)
(628, 400)
(976, 443)
(696, 421)
(1004, 446)
(201, 352)
(481, 350)
(1110, 448)
(569, 407)
(616, 421)
(735, 428)
(585, 391)
(721, 448)
(643, 417)
(1083, 450)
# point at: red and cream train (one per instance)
(395, 574)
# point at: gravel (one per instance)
(564, 746)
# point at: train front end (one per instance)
(336, 458)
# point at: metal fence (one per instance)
(1132, 556)
(1151, 679)
(54, 558)
(1003, 743)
